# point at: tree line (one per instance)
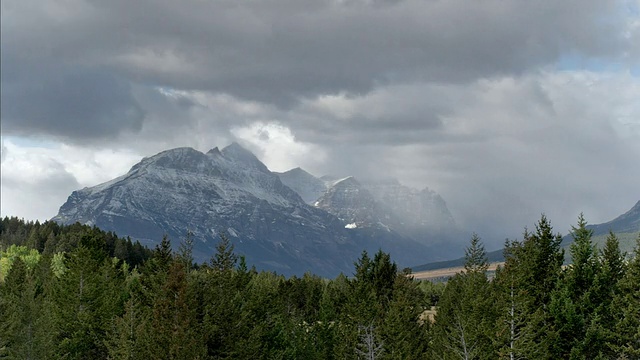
(77, 292)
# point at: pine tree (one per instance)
(362, 303)
(26, 330)
(584, 264)
(224, 259)
(601, 326)
(401, 330)
(466, 314)
(612, 262)
(628, 302)
(542, 261)
(531, 273)
(512, 338)
(185, 252)
(162, 254)
(383, 272)
(125, 338)
(225, 311)
(475, 256)
(171, 331)
(574, 300)
(85, 298)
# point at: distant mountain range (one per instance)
(289, 222)
(625, 226)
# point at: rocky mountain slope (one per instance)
(306, 185)
(420, 211)
(353, 204)
(231, 191)
(421, 215)
(628, 222)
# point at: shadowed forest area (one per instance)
(77, 292)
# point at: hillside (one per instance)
(626, 227)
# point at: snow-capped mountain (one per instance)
(418, 210)
(353, 204)
(421, 215)
(306, 185)
(229, 191)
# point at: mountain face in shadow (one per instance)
(231, 191)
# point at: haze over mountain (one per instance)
(628, 222)
(506, 109)
(625, 226)
(231, 191)
(420, 214)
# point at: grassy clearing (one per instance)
(446, 273)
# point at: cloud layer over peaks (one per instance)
(506, 108)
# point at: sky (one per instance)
(509, 109)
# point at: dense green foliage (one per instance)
(76, 292)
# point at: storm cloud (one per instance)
(507, 108)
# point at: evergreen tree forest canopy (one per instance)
(77, 292)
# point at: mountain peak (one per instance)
(298, 171)
(238, 153)
(214, 152)
(178, 158)
(235, 147)
(306, 185)
(347, 181)
(179, 151)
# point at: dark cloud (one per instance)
(76, 103)
(279, 51)
(503, 152)
(457, 95)
(68, 69)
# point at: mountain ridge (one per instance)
(626, 224)
(421, 215)
(230, 191)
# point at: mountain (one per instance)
(625, 226)
(353, 204)
(383, 206)
(628, 222)
(230, 191)
(419, 211)
(306, 185)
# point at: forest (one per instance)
(77, 292)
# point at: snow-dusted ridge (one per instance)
(231, 190)
(385, 204)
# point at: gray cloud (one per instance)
(34, 194)
(503, 152)
(459, 96)
(81, 104)
(68, 69)
(281, 50)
